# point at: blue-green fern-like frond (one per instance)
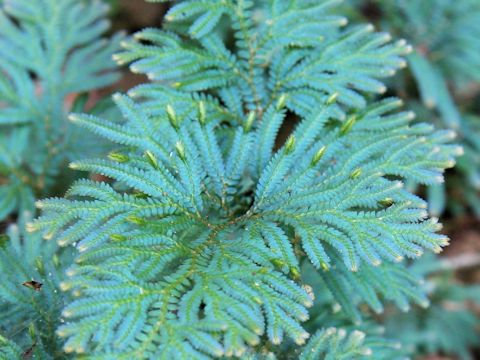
(430, 21)
(371, 285)
(450, 324)
(445, 68)
(9, 350)
(49, 50)
(31, 314)
(333, 344)
(306, 67)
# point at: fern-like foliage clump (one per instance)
(198, 248)
(50, 51)
(445, 67)
(30, 297)
(450, 324)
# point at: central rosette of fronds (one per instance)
(196, 247)
(172, 237)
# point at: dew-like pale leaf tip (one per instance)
(331, 331)
(73, 117)
(359, 335)
(367, 351)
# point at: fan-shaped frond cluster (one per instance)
(445, 65)
(195, 250)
